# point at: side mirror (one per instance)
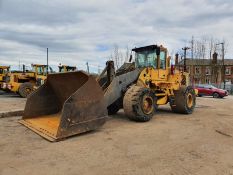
(158, 51)
(130, 58)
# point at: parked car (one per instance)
(210, 90)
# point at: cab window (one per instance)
(146, 59)
(40, 70)
(162, 60)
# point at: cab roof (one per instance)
(67, 66)
(4, 67)
(39, 65)
(150, 47)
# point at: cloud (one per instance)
(76, 31)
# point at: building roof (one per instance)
(205, 62)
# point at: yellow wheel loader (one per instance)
(3, 72)
(65, 68)
(75, 102)
(24, 82)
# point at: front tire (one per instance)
(139, 103)
(216, 95)
(25, 89)
(184, 100)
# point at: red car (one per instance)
(209, 90)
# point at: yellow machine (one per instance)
(65, 68)
(75, 102)
(3, 71)
(24, 82)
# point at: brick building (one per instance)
(208, 71)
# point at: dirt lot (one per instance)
(201, 143)
(11, 102)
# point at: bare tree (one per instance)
(204, 47)
(127, 54)
(116, 55)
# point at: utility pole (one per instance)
(19, 65)
(185, 52)
(223, 65)
(98, 69)
(87, 67)
(47, 68)
(192, 46)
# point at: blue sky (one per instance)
(78, 31)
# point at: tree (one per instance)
(127, 54)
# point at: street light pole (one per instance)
(185, 52)
(87, 67)
(223, 64)
(47, 67)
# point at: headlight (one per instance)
(9, 86)
(4, 85)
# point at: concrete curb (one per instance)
(13, 113)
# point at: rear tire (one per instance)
(139, 103)
(184, 100)
(216, 95)
(25, 89)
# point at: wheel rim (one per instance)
(189, 100)
(215, 95)
(28, 90)
(147, 104)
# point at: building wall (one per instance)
(215, 76)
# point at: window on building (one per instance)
(197, 70)
(197, 80)
(207, 80)
(207, 71)
(228, 71)
(188, 69)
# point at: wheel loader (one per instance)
(66, 68)
(75, 102)
(3, 71)
(24, 82)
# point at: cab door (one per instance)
(162, 66)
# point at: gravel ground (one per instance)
(201, 143)
(11, 102)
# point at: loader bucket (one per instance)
(67, 104)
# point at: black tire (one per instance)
(139, 103)
(25, 89)
(216, 95)
(184, 100)
(199, 95)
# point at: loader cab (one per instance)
(65, 68)
(151, 56)
(3, 74)
(4, 70)
(41, 69)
